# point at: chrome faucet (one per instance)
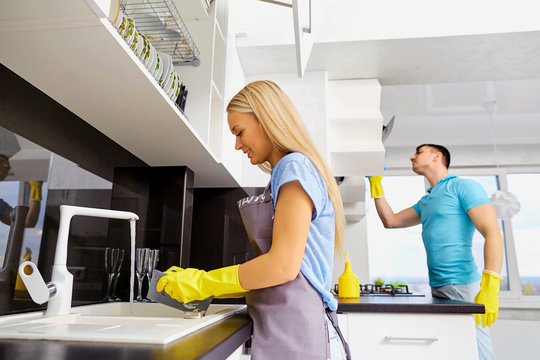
(58, 292)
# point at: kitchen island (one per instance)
(411, 326)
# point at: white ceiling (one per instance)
(437, 86)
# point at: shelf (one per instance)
(161, 23)
(110, 89)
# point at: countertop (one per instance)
(218, 340)
(408, 304)
(214, 342)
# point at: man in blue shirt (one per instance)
(449, 214)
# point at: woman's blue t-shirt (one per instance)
(319, 253)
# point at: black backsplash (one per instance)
(218, 235)
(192, 227)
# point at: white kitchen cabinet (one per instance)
(353, 195)
(343, 321)
(74, 55)
(411, 336)
(354, 127)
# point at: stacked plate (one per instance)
(159, 64)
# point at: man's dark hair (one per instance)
(444, 151)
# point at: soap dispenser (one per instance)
(349, 286)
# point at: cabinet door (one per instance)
(412, 336)
(344, 326)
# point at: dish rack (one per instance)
(161, 23)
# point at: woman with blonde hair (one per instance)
(295, 226)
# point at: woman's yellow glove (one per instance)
(489, 297)
(186, 285)
(376, 186)
(35, 190)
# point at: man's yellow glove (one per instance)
(186, 285)
(489, 297)
(376, 186)
(35, 190)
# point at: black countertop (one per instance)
(219, 340)
(407, 304)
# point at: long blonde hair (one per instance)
(288, 133)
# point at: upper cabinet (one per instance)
(71, 51)
(354, 127)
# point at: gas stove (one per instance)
(382, 290)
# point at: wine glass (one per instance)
(111, 259)
(153, 257)
(113, 296)
(141, 260)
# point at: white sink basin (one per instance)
(149, 323)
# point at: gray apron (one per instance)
(288, 319)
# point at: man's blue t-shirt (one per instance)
(319, 253)
(447, 230)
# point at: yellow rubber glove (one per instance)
(489, 297)
(376, 186)
(186, 285)
(35, 190)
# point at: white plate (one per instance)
(153, 64)
(167, 63)
(119, 20)
(137, 43)
(168, 84)
(123, 25)
(159, 67)
(129, 33)
(151, 58)
(144, 49)
(172, 91)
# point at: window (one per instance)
(397, 254)
(526, 230)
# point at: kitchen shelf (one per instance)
(161, 23)
(109, 88)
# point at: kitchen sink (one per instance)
(148, 323)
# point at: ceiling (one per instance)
(437, 86)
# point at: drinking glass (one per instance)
(153, 257)
(111, 260)
(113, 296)
(141, 264)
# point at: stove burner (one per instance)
(386, 289)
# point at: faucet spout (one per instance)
(58, 292)
(67, 212)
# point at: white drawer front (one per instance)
(412, 336)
